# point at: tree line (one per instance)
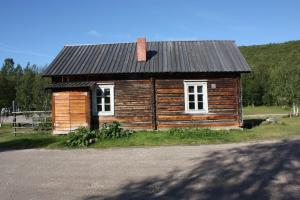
(24, 85)
(275, 76)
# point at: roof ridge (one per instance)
(72, 45)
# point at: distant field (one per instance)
(249, 110)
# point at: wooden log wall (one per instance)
(135, 102)
(223, 104)
(70, 110)
(132, 104)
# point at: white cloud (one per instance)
(94, 33)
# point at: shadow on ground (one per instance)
(251, 123)
(25, 143)
(264, 171)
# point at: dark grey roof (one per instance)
(165, 56)
(86, 84)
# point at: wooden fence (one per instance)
(38, 121)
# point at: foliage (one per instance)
(81, 137)
(25, 85)
(275, 76)
(31, 94)
(113, 131)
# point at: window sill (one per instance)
(106, 114)
(196, 112)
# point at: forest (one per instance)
(275, 76)
(274, 80)
(24, 85)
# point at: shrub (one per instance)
(112, 131)
(81, 137)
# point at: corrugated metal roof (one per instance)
(165, 56)
(85, 84)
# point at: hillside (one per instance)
(275, 76)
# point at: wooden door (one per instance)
(70, 110)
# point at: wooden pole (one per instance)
(14, 119)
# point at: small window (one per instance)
(195, 97)
(104, 96)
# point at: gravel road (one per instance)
(265, 170)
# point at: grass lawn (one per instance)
(285, 128)
(28, 140)
(249, 110)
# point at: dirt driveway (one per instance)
(269, 170)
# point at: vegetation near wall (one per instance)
(23, 84)
(275, 76)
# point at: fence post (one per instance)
(14, 118)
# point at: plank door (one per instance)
(70, 110)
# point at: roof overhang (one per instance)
(71, 85)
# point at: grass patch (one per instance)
(285, 128)
(28, 140)
(249, 110)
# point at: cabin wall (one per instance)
(136, 107)
(223, 104)
(70, 110)
(132, 104)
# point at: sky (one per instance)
(36, 30)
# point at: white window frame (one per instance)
(111, 87)
(204, 93)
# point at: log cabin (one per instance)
(147, 85)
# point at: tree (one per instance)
(31, 94)
(7, 83)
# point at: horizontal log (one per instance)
(163, 126)
(195, 117)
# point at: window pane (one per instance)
(106, 92)
(200, 105)
(99, 92)
(99, 108)
(200, 97)
(191, 89)
(107, 100)
(199, 89)
(192, 106)
(191, 97)
(98, 100)
(107, 107)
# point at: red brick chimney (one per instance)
(141, 49)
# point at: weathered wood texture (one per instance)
(132, 104)
(71, 110)
(223, 104)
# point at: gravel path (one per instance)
(267, 170)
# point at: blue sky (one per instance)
(35, 30)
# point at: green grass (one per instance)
(285, 128)
(28, 140)
(249, 110)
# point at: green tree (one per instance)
(7, 83)
(31, 94)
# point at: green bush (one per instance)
(112, 131)
(81, 137)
